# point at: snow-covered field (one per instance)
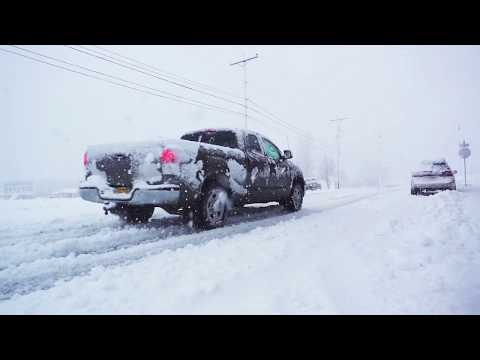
(352, 251)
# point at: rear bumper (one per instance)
(156, 197)
(434, 187)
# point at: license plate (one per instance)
(121, 190)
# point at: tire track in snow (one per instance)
(62, 259)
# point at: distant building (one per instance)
(65, 193)
(23, 188)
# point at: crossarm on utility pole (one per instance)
(244, 65)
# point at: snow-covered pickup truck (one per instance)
(201, 176)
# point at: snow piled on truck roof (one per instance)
(212, 129)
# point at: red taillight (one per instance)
(168, 156)
(85, 159)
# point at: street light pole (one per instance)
(243, 63)
(338, 121)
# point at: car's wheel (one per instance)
(135, 214)
(295, 199)
(413, 191)
(210, 210)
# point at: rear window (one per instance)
(220, 138)
(440, 168)
(191, 137)
(433, 167)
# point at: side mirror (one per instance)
(455, 171)
(287, 154)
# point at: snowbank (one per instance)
(348, 251)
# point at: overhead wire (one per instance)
(170, 96)
(146, 71)
(189, 101)
(149, 73)
(147, 66)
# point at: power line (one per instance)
(174, 98)
(191, 102)
(286, 124)
(118, 78)
(147, 66)
(149, 73)
(206, 106)
(268, 113)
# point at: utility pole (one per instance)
(464, 153)
(380, 165)
(243, 63)
(338, 121)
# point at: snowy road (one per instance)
(348, 251)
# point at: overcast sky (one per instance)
(421, 100)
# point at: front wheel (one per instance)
(295, 199)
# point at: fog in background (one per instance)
(419, 100)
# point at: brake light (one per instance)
(168, 156)
(85, 159)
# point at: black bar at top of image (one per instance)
(234, 30)
(231, 23)
(280, 37)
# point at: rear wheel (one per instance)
(413, 191)
(295, 199)
(210, 210)
(134, 214)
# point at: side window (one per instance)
(271, 150)
(252, 144)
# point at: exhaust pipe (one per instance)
(108, 207)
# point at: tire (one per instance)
(413, 191)
(135, 214)
(295, 199)
(211, 209)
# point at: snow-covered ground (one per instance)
(357, 250)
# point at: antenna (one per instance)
(243, 63)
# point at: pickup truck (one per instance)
(201, 176)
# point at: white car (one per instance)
(312, 184)
(433, 176)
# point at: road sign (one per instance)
(464, 153)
